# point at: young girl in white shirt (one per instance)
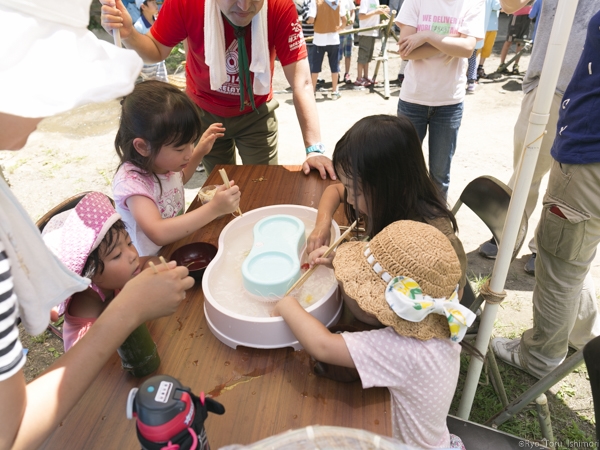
(437, 37)
(160, 145)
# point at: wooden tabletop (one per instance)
(265, 392)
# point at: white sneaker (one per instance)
(336, 95)
(508, 350)
(471, 88)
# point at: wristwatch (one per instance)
(316, 148)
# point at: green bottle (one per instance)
(138, 353)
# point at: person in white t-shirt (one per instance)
(437, 37)
(369, 15)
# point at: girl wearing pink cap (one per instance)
(91, 240)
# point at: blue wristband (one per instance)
(316, 148)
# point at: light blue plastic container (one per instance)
(273, 264)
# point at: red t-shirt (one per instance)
(180, 19)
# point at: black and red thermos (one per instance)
(169, 415)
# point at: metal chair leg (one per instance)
(541, 404)
(537, 389)
(495, 377)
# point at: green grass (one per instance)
(105, 177)
(40, 339)
(570, 428)
(16, 165)
(477, 281)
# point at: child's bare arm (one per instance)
(86, 304)
(421, 52)
(332, 197)
(424, 44)
(382, 9)
(203, 148)
(29, 413)
(165, 231)
(457, 46)
(317, 340)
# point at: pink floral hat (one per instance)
(74, 234)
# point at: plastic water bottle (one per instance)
(169, 415)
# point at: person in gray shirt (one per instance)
(585, 10)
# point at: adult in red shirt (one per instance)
(253, 132)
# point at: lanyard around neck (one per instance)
(243, 67)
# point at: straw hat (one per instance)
(402, 249)
(50, 62)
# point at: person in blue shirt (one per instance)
(149, 11)
(536, 9)
(565, 313)
(133, 9)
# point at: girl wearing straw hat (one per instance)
(35, 35)
(405, 279)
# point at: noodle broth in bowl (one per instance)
(206, 194)
(196, 257)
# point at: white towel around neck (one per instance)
(214, 48)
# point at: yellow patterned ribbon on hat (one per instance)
(405, 297)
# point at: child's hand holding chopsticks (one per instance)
(226, 200)
(228, 185)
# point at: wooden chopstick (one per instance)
(151, 264)
(344, 228)
(227, 185)
(331, 248)
(164, 263)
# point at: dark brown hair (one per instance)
(94, 263)
(382, 156)
(160, 114)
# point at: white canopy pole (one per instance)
(561, 29)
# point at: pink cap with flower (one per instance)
(74, 234)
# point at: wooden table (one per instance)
(265, 392)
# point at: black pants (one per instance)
(591, 355)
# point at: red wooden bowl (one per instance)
(195, 256)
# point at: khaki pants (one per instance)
(545, 160)
(564, 298)
(254, 134)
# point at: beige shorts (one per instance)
(366, 45)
